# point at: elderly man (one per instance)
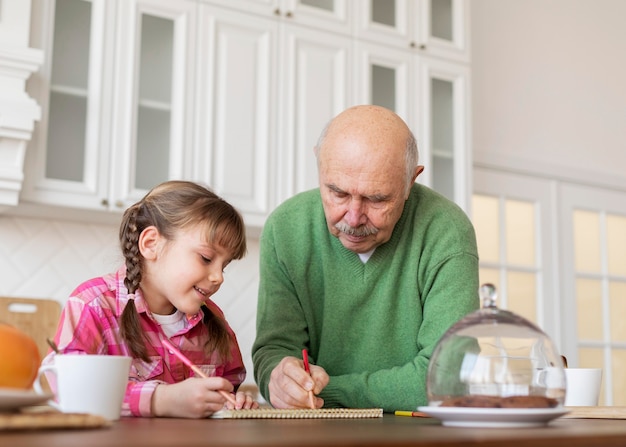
(367, 273)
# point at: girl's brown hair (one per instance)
(170, 207)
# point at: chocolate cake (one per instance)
(482, 401)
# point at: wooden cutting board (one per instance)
(36, 317)
(50, 420)
(595, 413)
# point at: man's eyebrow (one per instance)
(334, 187)
(378, 197)
(373, 197)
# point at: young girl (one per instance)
(176, 242)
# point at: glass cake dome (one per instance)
(495, 358)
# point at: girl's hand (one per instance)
(245, 401)
(194, 397)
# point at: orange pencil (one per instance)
(195, 369)
(305, 358)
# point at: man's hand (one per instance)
(290, 384)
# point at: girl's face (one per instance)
(181, 273)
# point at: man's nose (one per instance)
(355, 215)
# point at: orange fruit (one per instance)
(19, 358)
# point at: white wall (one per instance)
(549, 86)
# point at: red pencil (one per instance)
(305, 358)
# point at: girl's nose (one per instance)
(216, 276)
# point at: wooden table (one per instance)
(396, 431)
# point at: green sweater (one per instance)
(371, 326)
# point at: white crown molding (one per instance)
(18, 113)
(541, 169)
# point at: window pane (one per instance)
(67, 109)
(485, 210)
(153, 140)
(154, 107)
(491, 276)
(587, 241)
(590, 358)
(616, 244)
(617, 299)
(155, 74)
(443, 175)
(589, 309)
(72, 27)
(441, 19)
(522, 297)
(618, 363)
(384, 12)
(65, 156)
(384, 87)
(442, 116)
(520, 233)
(442, 109)
(328, 5)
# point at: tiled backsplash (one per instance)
(49, 258)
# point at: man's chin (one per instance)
(357, 244)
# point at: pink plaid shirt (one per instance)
(89, 324)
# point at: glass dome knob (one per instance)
(488, 295)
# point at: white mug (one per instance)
(583, 387)
(93, 384)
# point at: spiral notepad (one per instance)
(323, 413)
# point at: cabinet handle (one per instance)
(105, 203)
(414, 45)
(289, 14)
(277, 11)
(119, 204)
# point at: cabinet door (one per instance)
(153, 102)
(236, 144)
(445, 150)
(67, 159)
(444, 28)
(387, 22)
(433, 27)
(315, 73)
(387, 77)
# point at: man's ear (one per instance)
(418, 171)
(149, 242)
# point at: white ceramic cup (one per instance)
(93, 384)
(583, 386)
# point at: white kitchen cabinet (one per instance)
(117, 94)
(429, 88)
(445, 129)
(438, 28)
(236, 145)
(267, 89)
(233, 94)
(317, 78)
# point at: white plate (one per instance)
(493, 417)
(12, 399)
